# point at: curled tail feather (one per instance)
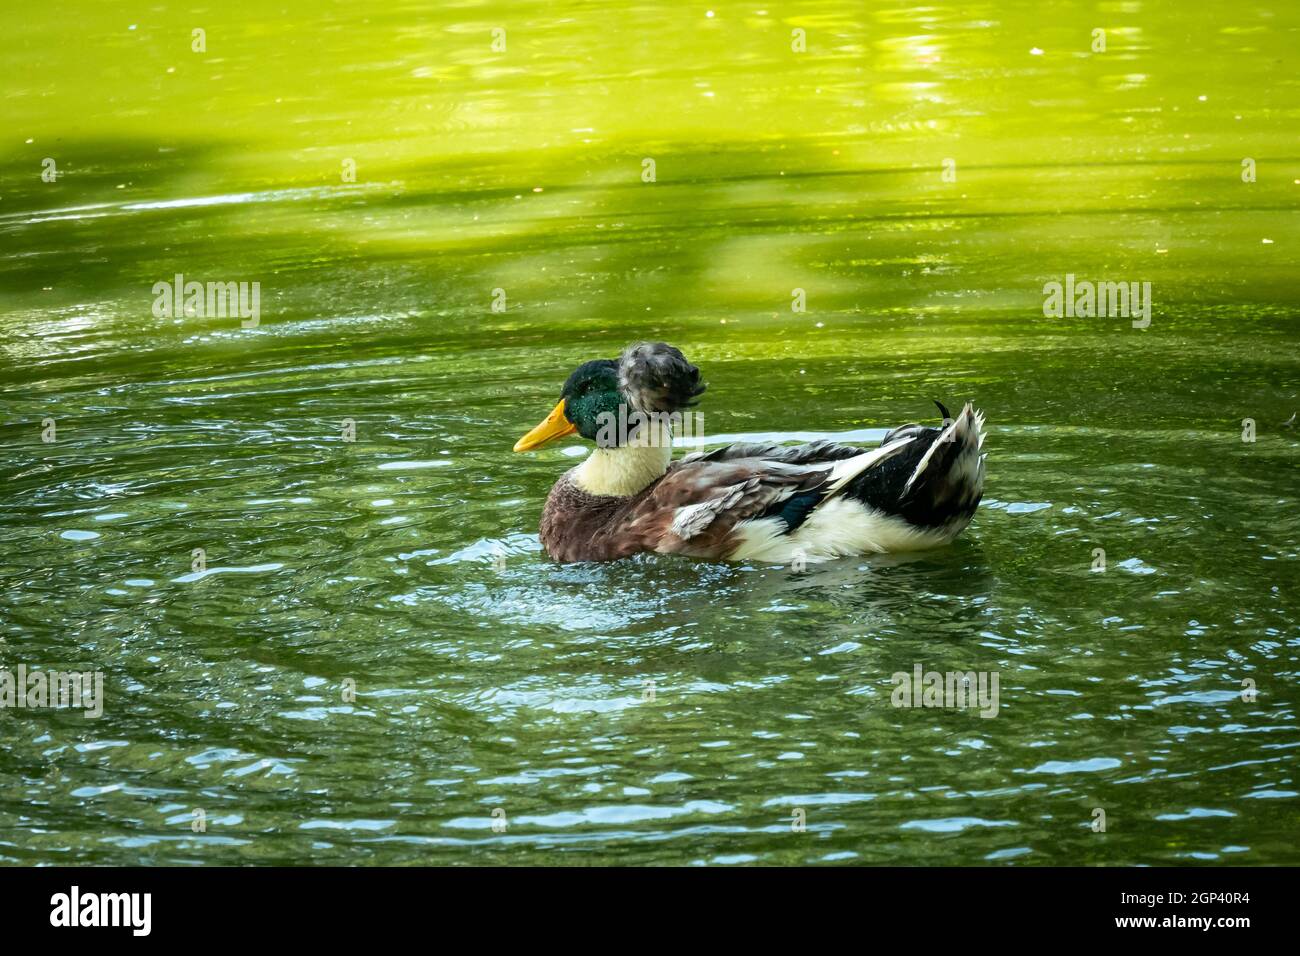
(938, 480)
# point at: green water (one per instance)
(522, 685)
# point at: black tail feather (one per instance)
(949, 484)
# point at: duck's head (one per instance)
(608, 400)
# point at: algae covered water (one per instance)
(296, 546)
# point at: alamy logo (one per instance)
(956, 690)
(103, 909)
(218, 300)
(61, 690)
(646, 429)
(1101, 299)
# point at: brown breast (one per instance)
(578, 526)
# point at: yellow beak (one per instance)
(555, 426)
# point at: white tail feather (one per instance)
(848, 469)
(968, 430)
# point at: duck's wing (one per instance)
(700, 507)
(812, 453)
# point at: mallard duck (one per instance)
(748, 501)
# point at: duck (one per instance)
(762, 502)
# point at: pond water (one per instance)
(387, 176)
